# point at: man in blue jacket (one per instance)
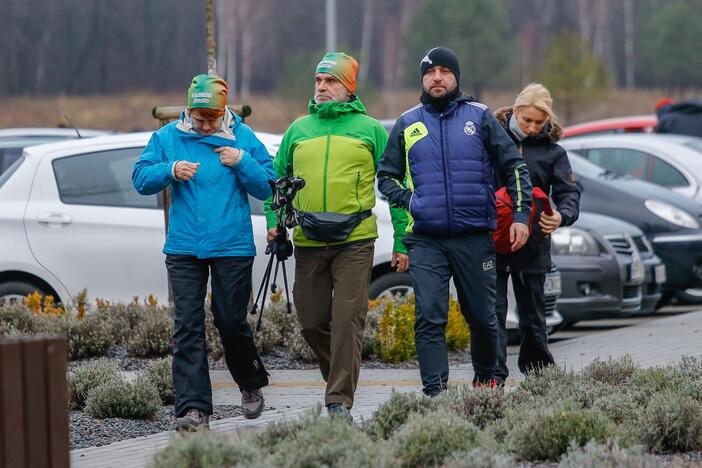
(211, 161)
(439, 165)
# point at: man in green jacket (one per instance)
(335, 149)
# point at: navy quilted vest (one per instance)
(450, 172)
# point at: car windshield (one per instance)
(583, 167)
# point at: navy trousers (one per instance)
(470, 260)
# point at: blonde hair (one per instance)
(536, 95)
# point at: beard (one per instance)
(320, 98)
(438, 91)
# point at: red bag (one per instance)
(539, 204)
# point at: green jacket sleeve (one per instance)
(397, 215)
(280, 164)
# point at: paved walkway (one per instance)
(651, 343)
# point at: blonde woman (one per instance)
(533, 127)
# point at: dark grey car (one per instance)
(602, 272)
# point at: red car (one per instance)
(630, 124)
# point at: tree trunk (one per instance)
(246, 62)
(629, 68)
(527, 51)
(210, 15)
(43, 48)
(366, 39)
(223, 37)
(407, 9)
(391, 42)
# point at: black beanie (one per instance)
(440, 56)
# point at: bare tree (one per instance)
(43, 47)
(228, 43)
(629, 43)
(366, 39)
(210, 15)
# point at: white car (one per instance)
(71, 220)
(673, 161)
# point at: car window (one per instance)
(11, 148)
(583, 167)
(5, 176)
(666, 175)
(8, 156)
(101, 178)
(621, 161)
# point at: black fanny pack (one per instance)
(330, 227)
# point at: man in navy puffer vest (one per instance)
(439, 166)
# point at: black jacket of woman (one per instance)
(549, 169)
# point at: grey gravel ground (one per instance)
(87, 431)
(117, 354)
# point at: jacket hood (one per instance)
(229, 124)
(331, 110)
(552, 129)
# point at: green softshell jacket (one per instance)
(336, 149)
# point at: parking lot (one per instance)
(591, 327)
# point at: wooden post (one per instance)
(12, 430)
(56, 357)
(33, 402)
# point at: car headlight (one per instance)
(573, 241)
(671, 214)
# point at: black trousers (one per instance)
(470, 260)
(231, 287)
(533, 345)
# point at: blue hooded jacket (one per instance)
(209, 214)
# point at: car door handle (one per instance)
(54, 219)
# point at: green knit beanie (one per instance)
(207, 92)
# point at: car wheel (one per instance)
(390, 285)
(15, 291)
(689, 296)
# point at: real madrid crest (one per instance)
(469, 129)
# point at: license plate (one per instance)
(637, 272)
(552, 284)
(659, 274)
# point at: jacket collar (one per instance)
(224, 133)
(451, 106)
(552, 130)
(333, 110)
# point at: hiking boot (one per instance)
(338, 410)
(191, 421)
(252, 403)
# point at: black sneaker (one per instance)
(191, 421)
(338, 410)
(434, 392)
(252, 403)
